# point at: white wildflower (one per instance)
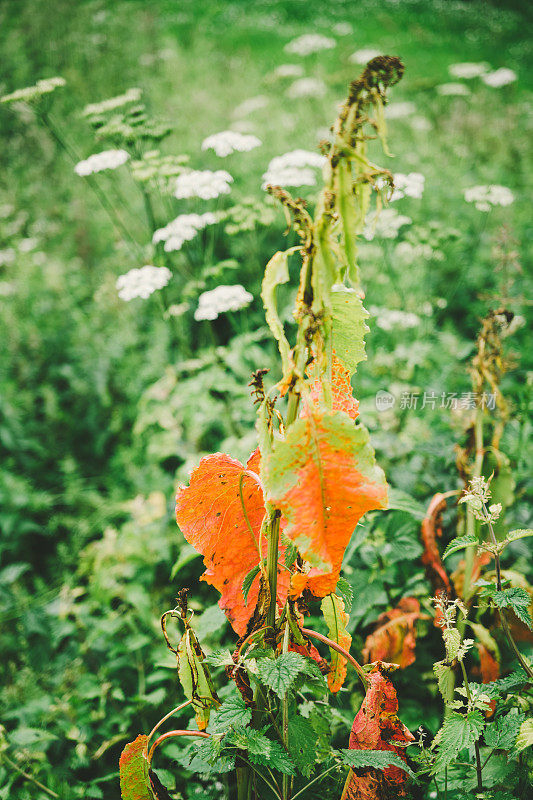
(107, 159)
(176, 310)
(227, 142)
(133, 95)
(410, 185)
(182, 229)
(342, 28)
(453, 89)
(30, 93)
(251, 105)
(484, 197)
(412, 253)
(385, 224)
(289, 71)
(203, 183)
(6, 289)
(309, 43)
(399, 110)
(364, 55)
(294, 168)
(221, 299)
(419, 123)
(500, 77)
(468, 70)
(142, 282)
(307, 87)
(389, 318)
(7, 256)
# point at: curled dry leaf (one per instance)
(336, 619)
(431, 528)
(211, 517)
(394, 637)
(377, 727)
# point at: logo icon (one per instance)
(384, 400)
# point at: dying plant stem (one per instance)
(167, 716)
(476, 744)
(285, 717)
(173, 735)
(470, 519)
(503, 619)
(334, 646)
(27, 776)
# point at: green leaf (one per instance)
(348, 326)
(525, 737)
(376, 759)
(401, 501)
(248, 580)
(504, 685)
(220, 658)
(280, 673)
(232, 714)
(459, 544)
(262, 750)
(521, 533)
(276, 273)
(445, 680)
(457, 733)
(351, 221)
(291, 554)
(452, 641)
(302, 744)
(345, 592)
(515, 598)
(134, 780)
(208, 757)
(502, 733)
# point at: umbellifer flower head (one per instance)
(107, 159)
(221, 299)
(203, 183)
(142, 282)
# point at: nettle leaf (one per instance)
(280, 673)
(377, 759)
(208, 757)
(452, 642)
(302, 744)
(377, 727)
(457, 733)
(521, 533)
(515, 598)
(323, 477)
(276, 273)
(232, 714)
(336, 619)
(502, 734)
(262, 750)
(445, 680)
(394, 638)
(503, 685)
(525, 737)
(348, 324)
(344, 590)
(134, 778)
(402, 501)
(210, 514)
(220, 658)
(459, 544)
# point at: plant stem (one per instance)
(285, 717)
(27, 776)
(470, 519)
(503, 619)
(334, 646)
(272, 568)
(170, 713)
(318, 778)
(172, 735)
(476, 743)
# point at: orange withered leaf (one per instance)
(341, 390)
(377, 727)
(488, 664)
(431, 528)
(134, 779)
(211, 517)
(323, 477)
(394, 637)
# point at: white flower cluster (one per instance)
(251, 105)
(133, 95)
(399, 110)
(294, 168)
(203, 183)
(364, 55)
(385, 224)
(500, 77)
(309, 43)
(307, 87)
(484, 197)
(142, 282)
(221, 299)
(30, 93)
(453, 89)
(410, 185)
(227, 142)
(468, 70)
(183, 229)
(289, 71)
(389, 318)
(412, 253)
(342, 28)
(107, 159)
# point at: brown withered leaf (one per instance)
(431, 529)
(394, 637)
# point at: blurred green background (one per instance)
(106, 405)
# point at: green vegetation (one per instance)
(106, 405)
